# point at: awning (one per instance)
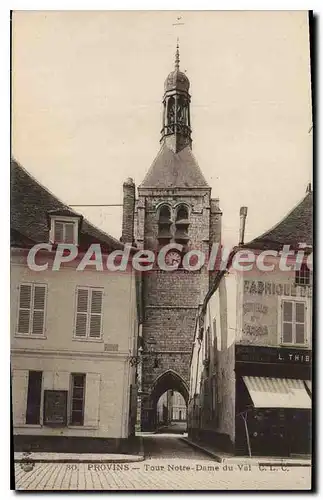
(267, 392)
(308, 384)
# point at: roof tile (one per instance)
(30, 206)
(296, 227)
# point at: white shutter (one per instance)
(96, 314)
(81, 312)
(92, 399)
(19, 396)
(38, 310)
(24, 308)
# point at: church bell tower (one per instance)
(176, 131)
(173, 206)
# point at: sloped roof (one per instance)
(178, 170)
(31, 204)
(296, 227)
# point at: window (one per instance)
(64, 232)
(303, 276)
(293, 322)
(88, 320)
(34, 397)
(31, 313)
(77, 399)
(64, 229)
(207, 344)
(215, 338)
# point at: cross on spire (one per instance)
(177, 56)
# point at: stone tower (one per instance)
(174, 206)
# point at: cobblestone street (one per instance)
(170, 464)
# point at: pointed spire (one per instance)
(177, 56)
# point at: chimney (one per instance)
(214, 229)
(129, 195)
(243, 216)
(309, 188)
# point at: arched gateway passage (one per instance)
(172, 383)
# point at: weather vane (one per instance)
(178, 22)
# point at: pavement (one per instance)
(226, 458)
(172, 428)
(74, 458)
(170, 464)
(45, 457)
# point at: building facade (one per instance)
(171, 407)
(72, 339)
(250, 390)
(173, 207)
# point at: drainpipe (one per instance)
(244, 418)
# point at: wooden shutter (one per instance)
(300, 313)
(58, 232)
(96, 313)
(81, 312)
(287, 334)
(38, 310)
(25, 292)
(69, 232)
(293, 322)
(92, 400)
(19, 396)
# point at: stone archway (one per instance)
(169, 380)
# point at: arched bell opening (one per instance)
(164, 225)
(181, 225)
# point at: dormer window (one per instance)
(64, 229)
(303, 276)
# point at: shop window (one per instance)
(293, 322)
(31, 314)
(77, 399)
(303, 276)
(88, 321)
(34, 397)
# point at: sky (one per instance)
(87, 92)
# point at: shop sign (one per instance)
(281, 355)
(259, 287)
